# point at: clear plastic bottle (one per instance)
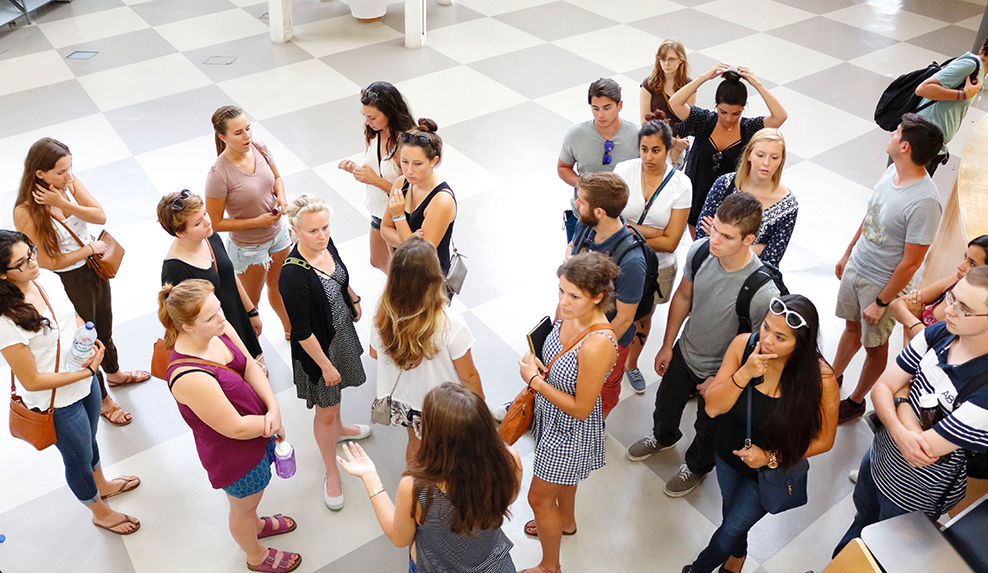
(284, 460)
(82, 345)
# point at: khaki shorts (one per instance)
(667, 280)
(855, 295)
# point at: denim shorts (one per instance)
(376, 223)
(243, 257)
(256, 479)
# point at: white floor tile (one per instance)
(288, 88)
(339, 34)
(629, 10)
(32, 71)
(637, 48)
(897, 59)
(886, 18)
(143, 81)
(496, 7)
(760, 54)
(459, 41)
(195, 156)
(813, 127)
(344, 183)
(465, 176)
(465, 93)
(45, 468)
(972, 23)
(95, 26)
(286, 161)
(210, 29)
(758, 15)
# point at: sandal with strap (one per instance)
(132, 377)
(116, 415)
(130, 484)
(533, 530)
(125, 520)
(283, 525)
(268, 566)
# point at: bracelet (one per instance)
(252, 312)
(736, 383)
(532, 379)
(375, 492)
(918, 323)
(356, 301)
(398, 218)
(90, 368)
(961, 94)
(93, 249)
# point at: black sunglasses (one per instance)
(716, 157)
(368, 97)
(179, 202)
(418, 139)
(608, 148)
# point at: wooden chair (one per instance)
(854, 558)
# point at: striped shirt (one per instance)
(940, 486)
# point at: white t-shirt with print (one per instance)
(677, 194)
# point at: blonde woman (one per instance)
(669, 75)
(322, 307)
(418, 340)
(759, 173)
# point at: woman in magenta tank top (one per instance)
(227, 402)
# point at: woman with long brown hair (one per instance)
(51, 206)
(669, 75)
(454, 496)
(418, 340)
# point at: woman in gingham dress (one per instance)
(568, 424)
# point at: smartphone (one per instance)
(276, 210)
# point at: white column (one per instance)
(414, 23)
(280, 20)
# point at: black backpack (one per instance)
(757, 278)
(900, 97)
(632, 241)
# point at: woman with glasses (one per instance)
(198, 253)
(793, 400)
(52, 206)
(759, 173)
(386, 117)
(420, 202)
(719, 134)
(37, 326)
(669, 75)
(922, 307)
(245, 195)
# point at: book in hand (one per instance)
(536, 337)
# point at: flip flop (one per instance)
(112, 411)
(268, 566)
(126, 519)
(540, 569)
(532, 529)
(268, 530)
(133, 377)
(128, 480)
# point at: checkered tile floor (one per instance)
(503, 79)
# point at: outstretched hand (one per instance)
(357, 462)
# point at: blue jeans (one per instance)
(569, 223)
(871, 505)
(411, 565)
(75, 430)
(742, 510)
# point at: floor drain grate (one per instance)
(81, 55)
(220, 60)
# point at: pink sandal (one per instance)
(269, 530)
(268, 566)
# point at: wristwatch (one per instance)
(773, 460)
(897, 401)
(878, 301)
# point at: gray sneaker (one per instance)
(637, 380)
(684, 482)
(645, 447)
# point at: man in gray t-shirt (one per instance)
(890, 245)
(688, 366)
(598, 144)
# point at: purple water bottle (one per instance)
(284, 460)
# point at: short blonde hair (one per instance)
(172, 221)
(307, 203)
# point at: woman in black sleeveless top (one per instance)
(794, 400)
(420, 202)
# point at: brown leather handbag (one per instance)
(521, 412)
(35, 428)
(107, 264)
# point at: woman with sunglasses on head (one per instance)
(719, 134)
(386, 117)
(245, 195)
(51, 206)
(922, 307)
(658, 205)
(759, 173)
(198, 253)
(37, 328)
(454, 496)
(793, 408)
(420, 202)
(669, 75)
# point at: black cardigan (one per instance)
(308, 308)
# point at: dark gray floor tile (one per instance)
(390, 61)
(952, 40)
(686, 26)
(48, 105)
(846, 87)
(533, 136)
(436, 16)
(376, 555)
(160, 12)
(22, 40)
(567, 20)
(117, 51)
(346, 223)
(321, 133)
(53, 533)
(61, 10)
(945, 10)
(253, 54)
(304, 11)
(862, 160)
(122, 189)
(820, 6)
(833, 38)
(540, 70)
(168, 120)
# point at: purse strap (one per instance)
(213, 257)
(400, 372)
(203, 362)
(577, 340)
(672, 171)
(58, 348)
(74, 236)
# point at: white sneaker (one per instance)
(500, 412)
(853, 476)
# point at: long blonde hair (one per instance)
(744, 167)
(657, 80)
(181, 304)
(412, 307)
